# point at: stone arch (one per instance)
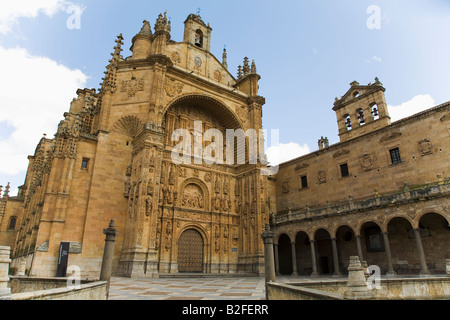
(369, 220)
(201, 185)
(212, 104)
(346, 244)
(434, 232)
(129, 126)
(334, 230)
(323, 247)
(197, 227)
(303, 253)
(388, 220)
(198, 254)
(426, 211)
(285, 254)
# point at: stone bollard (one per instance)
(357, 284)
(21, 269)
(267, 237)
(108, 254)
(447, 267)
(5, 292)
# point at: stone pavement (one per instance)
(216, 288)
(197, 288)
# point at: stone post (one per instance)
(21, 269)
(423, 264)
(294, 259)
(108, 254)
(357, 284)
(5, 292)
(336, 273)
(277, 261)
(313, 259)
(267, 237)
(359, 248)
(390, 273)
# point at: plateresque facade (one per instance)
(111, 158)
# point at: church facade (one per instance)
(381, 193)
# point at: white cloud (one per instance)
(285, 151)
(374, 59)
(36, 91)
(11, 11)
(415, 105)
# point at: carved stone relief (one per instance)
(193, 197)
(133, 86)
(425, 147)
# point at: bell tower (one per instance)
(197, 33)
(361, 110)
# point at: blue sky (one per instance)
(307, 53)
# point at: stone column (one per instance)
(387, 248)
(5, 292)
(359, 248)
(336, 273)
(267, 238)
(108, 254)
(313, 259)
(357, 284)
(277, 261)
(423, 263)
(294, 259)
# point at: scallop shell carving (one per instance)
(129, 126)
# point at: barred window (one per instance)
(395, 155)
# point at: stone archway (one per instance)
(285, 255)
(434, 231)
(190, 252)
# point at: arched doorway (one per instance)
(435, 237)
(346, 246)
(285, 255)
(303, 253)
(190, 252)
(324, 252)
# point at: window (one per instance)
(199, 38)
(344, 170)
(84, 163)
(361, 118)
(12, 223)
(304, 182)
(348, 122)
(375, 112)
(374, 239)
(395, 156)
